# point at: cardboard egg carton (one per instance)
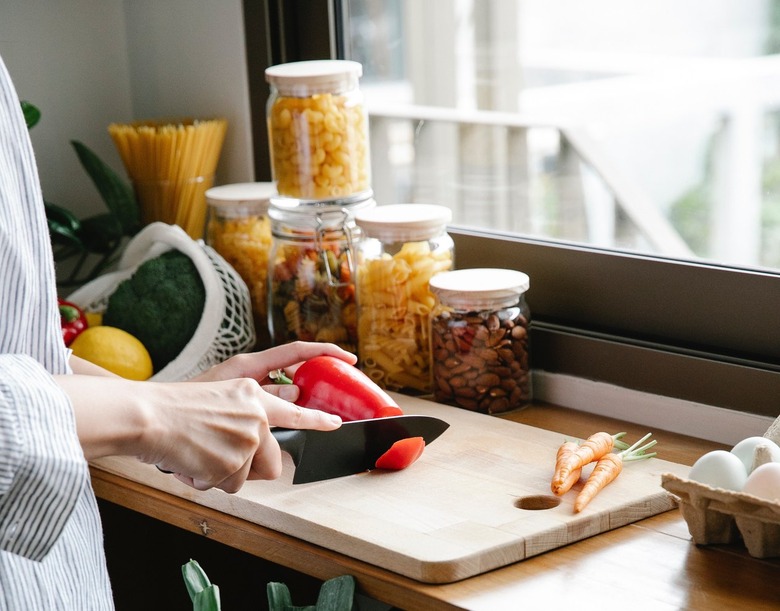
(715, 515)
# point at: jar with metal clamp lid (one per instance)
(479, 339)
(318, 131)
(311, 276)
(403, 246)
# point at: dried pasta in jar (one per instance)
(404, 246)
(312, 287)
(239, 229)
(318, 130)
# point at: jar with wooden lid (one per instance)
(479, 339)
(238, 228)
(312, 272)
(318, 131)
(403, 247)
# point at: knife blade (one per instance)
(352, 448)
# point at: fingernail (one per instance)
(334, 419)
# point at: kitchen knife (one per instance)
(354, 447)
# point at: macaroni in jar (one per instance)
(239, 229)
(318, 131)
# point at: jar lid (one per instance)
(403, 222)
(241, 199)
(300, 79)
(480, 288)
(293, 214)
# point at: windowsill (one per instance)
(654, 411)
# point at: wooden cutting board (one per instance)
(477, 499)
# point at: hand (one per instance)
(219, 435)
(258, 366)
(212, 431)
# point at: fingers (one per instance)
(267, 461)
(288, 392)
(291, 416)
(257, 365)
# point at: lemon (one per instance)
(115, 350)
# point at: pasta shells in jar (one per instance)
(479, 340)
(403, 247)
(318, 130)
(311, 293)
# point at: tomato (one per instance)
(329, 384)
(401, 454)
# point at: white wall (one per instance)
(87, 63)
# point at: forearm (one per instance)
(112, 416)
(79, 365)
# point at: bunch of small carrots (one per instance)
(600, 447)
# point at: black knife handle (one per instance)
(291, 441)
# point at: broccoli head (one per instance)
(160, 304)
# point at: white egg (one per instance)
(719, 469)
(764, 482)
(746, 449)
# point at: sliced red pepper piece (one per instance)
(329, 384)
(401, 454)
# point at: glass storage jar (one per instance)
(318, 131)
(311, 293)
(238, 228)
(479, 339)
(403, 246)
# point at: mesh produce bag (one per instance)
(226, 326)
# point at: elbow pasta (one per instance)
(319, 147)
(245, 243)
(395, 306)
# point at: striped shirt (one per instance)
(51, 551)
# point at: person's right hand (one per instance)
(210, 434)
(219, 436)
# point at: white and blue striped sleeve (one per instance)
(41, 469)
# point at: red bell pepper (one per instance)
(72, 320)
(329, 384)
(401, 454)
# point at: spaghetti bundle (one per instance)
(171, 165)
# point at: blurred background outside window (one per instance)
(642, 127)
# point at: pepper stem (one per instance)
(279, 377)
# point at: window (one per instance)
(547, 165)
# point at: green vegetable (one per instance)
(116, 193)
(160, 304)
(98, 236)
(203, 594)
(336, 594)
(31, 114)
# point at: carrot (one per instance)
(608, 468)
(566, 450)
(593, 448)
(573, 478)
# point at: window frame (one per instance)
(691, 330)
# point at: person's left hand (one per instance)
(258, 365)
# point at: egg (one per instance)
(746, 450)
(764, 482)
(719, 469)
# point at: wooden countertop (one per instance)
(648, 564)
